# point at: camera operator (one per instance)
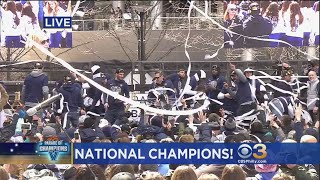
(313, 65)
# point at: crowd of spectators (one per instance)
(295, 22)
(100, 118)
(22, 19)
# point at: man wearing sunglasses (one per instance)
(159, 82)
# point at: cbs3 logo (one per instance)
(245, 151)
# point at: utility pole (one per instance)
(141, 47)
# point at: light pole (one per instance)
(141, 47)
(141, 7)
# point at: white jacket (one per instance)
(26, 26)
(9, 27)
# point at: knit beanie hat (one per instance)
(256, 127)
(49, 131)
(230, 124)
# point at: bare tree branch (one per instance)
(85, 43)
(115, 35)
(36, 53)
(12, 52)
(1, 56)
(168, 52)
(21, 54)
(160, 38)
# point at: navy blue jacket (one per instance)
(164, 84)
(33, 87)
(256, 26)
(107, 76)
(96, 94)
(193, 83)
(178, 83)
(244, 91)
(229, 104)
(219, 85)
(259, 95)
(120, 87)
(284, 86)
(72, 95)
(89, 134)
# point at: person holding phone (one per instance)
(9, 125)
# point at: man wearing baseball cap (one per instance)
(115, 109)
(256, 26)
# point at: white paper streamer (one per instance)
(19, 63)
(208, 56)
(187, 55)
(115, 94)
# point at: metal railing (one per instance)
(168, 23)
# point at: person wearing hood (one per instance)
(35, 87)
(256, 26)
(214, 83)
(256, 87)
(312, 95)
(94, 95)
(73, 102)
(243, 96)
